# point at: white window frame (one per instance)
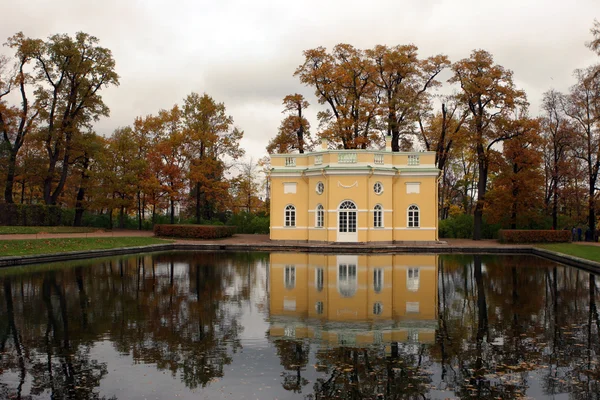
(319, 216)
(319, 279)
(413, 279)
(377, 308)
(319, 307)
(289, 216)
(320, 187)
(378, 188)
(289, 276)
(378, 280)
(413, 216)
(378, 216)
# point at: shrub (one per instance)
(194, 231)
(461, 227)
(530, 236)
(250, 223)
(34, 215)
(457, 227)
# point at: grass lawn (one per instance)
(589, 252)
(49, 246)
(20, 230)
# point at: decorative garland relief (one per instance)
(348, 187)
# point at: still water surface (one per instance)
(298, 326)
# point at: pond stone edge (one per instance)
(12, 261)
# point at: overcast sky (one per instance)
(244, 53)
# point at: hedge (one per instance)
(194, 231)
(533, 236)
(33, 215)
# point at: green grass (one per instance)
(589, 252)
(20, 230)
(51, 246)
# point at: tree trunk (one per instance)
(139, 197)
(81, 193)
(481, 188)
(79, 207)
(592, 215)
(10, 177)
(53, 158)
(198, 202)
(122, 217)
(172, 211)
(23, 191)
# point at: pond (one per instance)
(199, 325)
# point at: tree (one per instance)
(439, 132)
(246, 188)
(293, 129)
(16, 122)
(488, 93)
(403, 80)
(169, 158)
(344, 81)
(86, 154)
(71, 72)
(516, 187)
(582, 105)
(211, 137)
(557, 133)
(118, 171)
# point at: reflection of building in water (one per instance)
(353, 298)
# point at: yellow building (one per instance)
(354, 196)
(353, 299)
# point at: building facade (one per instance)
(354, 196)
(353, 299)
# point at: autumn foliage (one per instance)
(500, 165)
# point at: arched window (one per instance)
(347, 279)
(319, 216)
(377, 280)
(347, 217)
(378, 216)
(319, 279)
(413, 216)
(290, 215)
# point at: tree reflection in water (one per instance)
(506, 327)
(484, 327)
(155, 308)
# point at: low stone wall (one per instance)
(323, 249)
